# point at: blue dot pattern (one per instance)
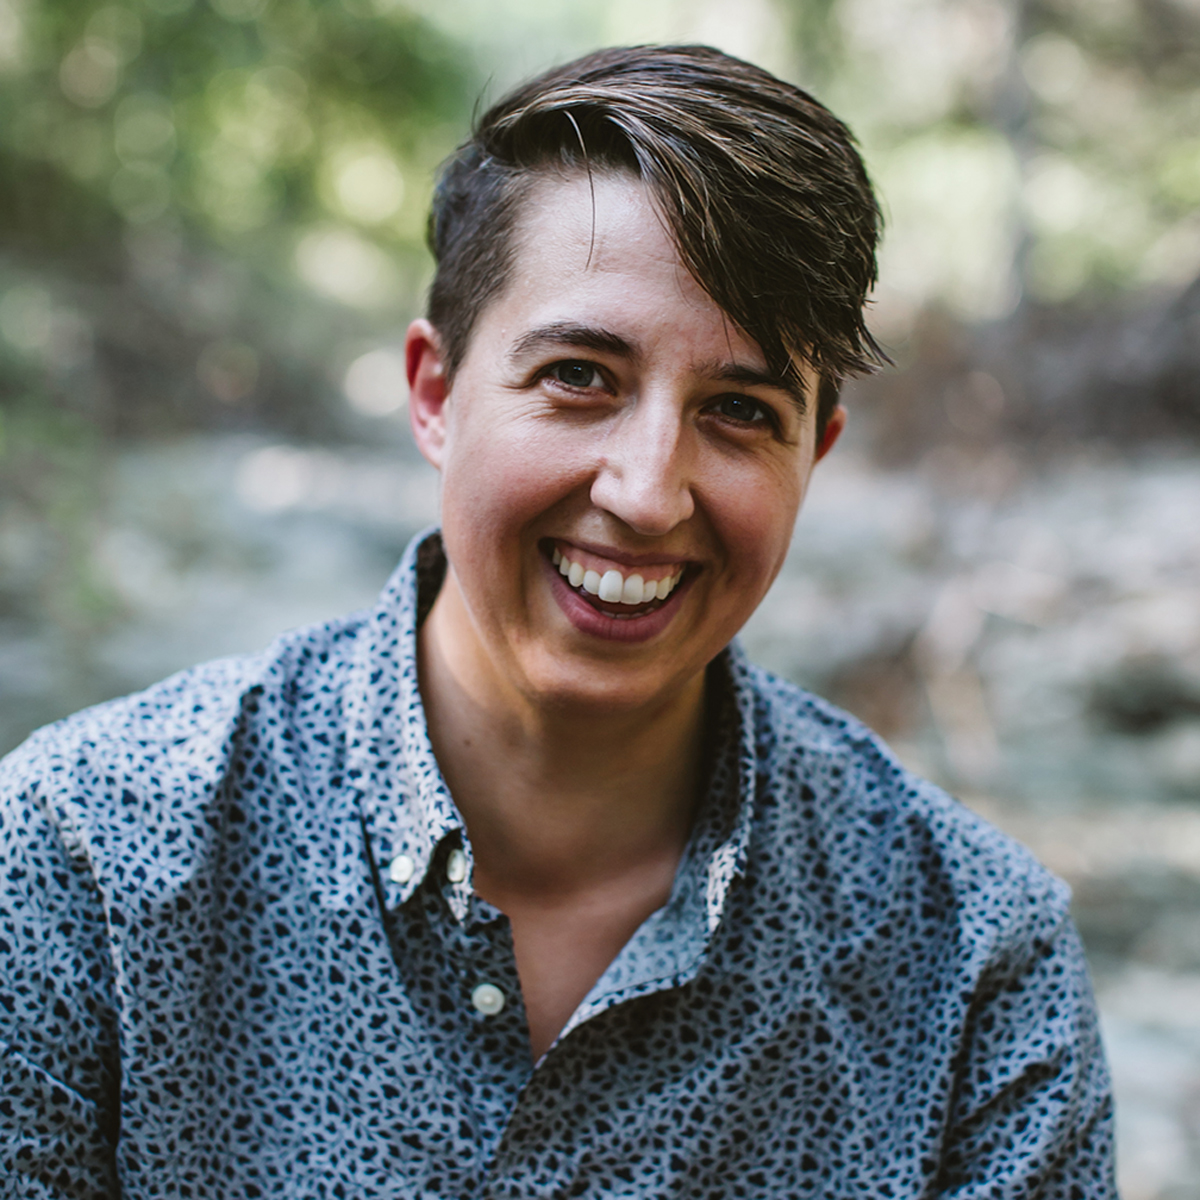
(211, 985)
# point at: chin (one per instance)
(585, 686)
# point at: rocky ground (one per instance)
(1029, 637)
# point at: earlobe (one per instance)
(831, 433)
(427, 390)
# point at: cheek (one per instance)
(498, 477)
(753, 517)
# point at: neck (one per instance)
(556, 801)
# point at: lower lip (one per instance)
(589, 620)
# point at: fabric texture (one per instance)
(214, 981)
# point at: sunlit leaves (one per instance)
(1097, 102)
(235, 115)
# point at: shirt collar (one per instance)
(406, 806)
(408, 812)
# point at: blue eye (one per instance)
(743, 408)
(575, 373)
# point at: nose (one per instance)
(645, 470)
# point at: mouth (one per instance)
(617, 591)
(623, 594)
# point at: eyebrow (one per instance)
(604, 341)
(583, 337)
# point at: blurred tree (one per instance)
(1112, 190)
(172, 170)
(1066, 128)
(207, 208)
(1040, 168)
(211, 218)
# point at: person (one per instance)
(526, 883)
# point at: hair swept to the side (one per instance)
(765, 195)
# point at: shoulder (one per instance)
(877, 834)
(171, 743)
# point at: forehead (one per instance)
(605, 213)
(598, 250)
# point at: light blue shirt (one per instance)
(241, 955)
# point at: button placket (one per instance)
(494, 1044)
(491, 993)
(491, 964)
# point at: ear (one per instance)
(833, 430)
(427, 390)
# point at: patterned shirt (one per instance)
(241, 955)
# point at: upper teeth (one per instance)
(612, 585)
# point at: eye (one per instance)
(576, 373)
(744, 409)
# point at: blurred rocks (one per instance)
(1041, 640)
(204, 546)
(1045, 380)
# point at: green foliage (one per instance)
(206, 209)
(229, 116)
(1040, 149)
(1113, 181)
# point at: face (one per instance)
(620, 471)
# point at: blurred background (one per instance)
(211, 220)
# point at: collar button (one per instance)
(456, 866)
(402, 868)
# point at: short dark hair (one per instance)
(764, 193)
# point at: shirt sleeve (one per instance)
(59, 1062)
(1032, 1114)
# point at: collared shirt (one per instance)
(241, 955)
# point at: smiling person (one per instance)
(526, 883)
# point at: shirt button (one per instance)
(456, 871)
(401, 870)
(488, 999)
